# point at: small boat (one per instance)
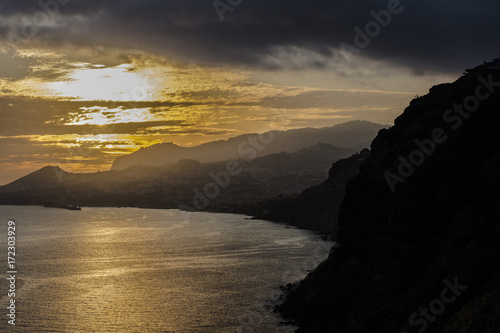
(63, 206)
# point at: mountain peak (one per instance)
(47, 174)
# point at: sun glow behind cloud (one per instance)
(81, 115)
(78, 73)
(96, 82)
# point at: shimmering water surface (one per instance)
(139, 270)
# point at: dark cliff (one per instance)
(419, 225)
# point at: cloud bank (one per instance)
(427, 35)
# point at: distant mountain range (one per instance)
(186, 184)
(269, 165)
(354, 135)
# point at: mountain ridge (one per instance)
(355, 134)
(179, 184)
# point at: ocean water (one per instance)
(141, 270)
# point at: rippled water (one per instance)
(138, 270)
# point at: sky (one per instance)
(85, 81)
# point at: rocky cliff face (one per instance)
(420, 224)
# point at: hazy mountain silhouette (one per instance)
(419, 226)
(179, 184)
(356, 135)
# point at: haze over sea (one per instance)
(140, 270)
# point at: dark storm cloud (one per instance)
(445, 35)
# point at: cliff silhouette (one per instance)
(419, 227)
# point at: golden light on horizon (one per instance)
(81, 111)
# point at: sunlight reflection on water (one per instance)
(132, 270)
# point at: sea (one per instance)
(147, 270)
